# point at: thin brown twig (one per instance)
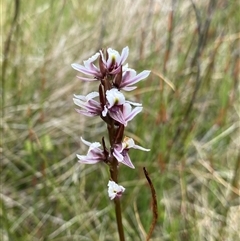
(154, 205)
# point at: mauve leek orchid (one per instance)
(130, 78)
(114, 97)
(120, 151)
(110, 104)
(114, 60)
(90, 106)
(94, 154)
(89, 68)
(112, 64)
(126, 114)
(114, 190)
(118, 108)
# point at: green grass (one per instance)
(193, 130)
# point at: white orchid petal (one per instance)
(143, 75)
(86, 142)
(133, 103)
(129, 88)
(92, 95)
(115, 97)
(140, 148)
(124, 55)
(114, 190)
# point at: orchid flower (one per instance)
(91, 107)
(130, 78)
(114, 60)
(94, 154)
(119, 108)
(112, 64)
(114, 190)
(89, 68)
(126, 114)
(115, 98)
(120, 151)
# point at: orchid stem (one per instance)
(119, 218)
(118, 211)
(114, 177)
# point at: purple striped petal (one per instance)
(144, 74)
(85, 70)
(127, 161)
(118, 116)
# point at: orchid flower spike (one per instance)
(115, 190)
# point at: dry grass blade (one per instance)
(165, 79)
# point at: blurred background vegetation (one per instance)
(190, 120)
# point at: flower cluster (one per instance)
(109, 103)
